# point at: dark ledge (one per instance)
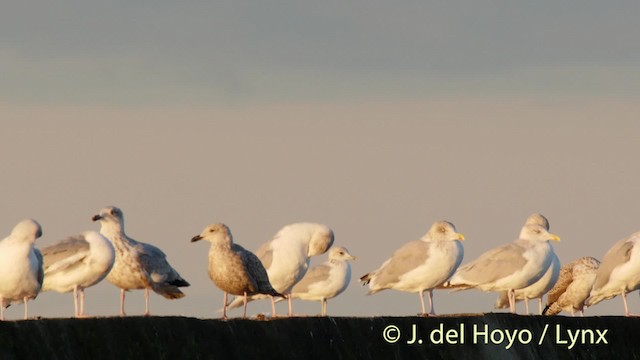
(489, 336)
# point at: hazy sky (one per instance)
(374, 118)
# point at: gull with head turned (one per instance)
(76, 263)
(573, 287)
(286, 258)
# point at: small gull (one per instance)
(286, 257)
(77, 263)
(138, 265)
(327, 280)
(21, 271)
(619, 272)
(540, 287)
(233, 269)
(573, 286)
(511, 266)
(420, 265)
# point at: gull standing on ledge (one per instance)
(20, 266)
(421, 264)
(232, 268)
(573, 287)
(619, 272)
(509, 267)
(77, 263)
(138, 265)
(286, 257)
(326, 280)
(540, 287)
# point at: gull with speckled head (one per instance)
(233, 269)
(138, 265)
(420, 265)
(76, 263)
(509, 267)
(21, 272)
(327, 280)
(286, 257)
(540, 287)
(573, 287)
(619, 272)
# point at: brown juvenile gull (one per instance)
(77, 263)
(511, 266)
(327, 280)
(138, 265)
(573, 286)
(619, 272)
(20, 266)
(540, 287)
(420, 265)
(286, 257)
(233, 269)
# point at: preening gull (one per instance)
(511, 266)
(77, 263)
(619, 272)
(327, 280)
(20, 266)
(138, 265)
(573, 286)
(540, 287)
(286, 257)
(421, 264)
(233, 269)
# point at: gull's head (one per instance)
(443, 231)
(537, 233)
(109, 214)
(215, 233)
(340, 253)
(538, 219)
(27, 229)
(321, 239)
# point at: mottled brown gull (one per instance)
(619, 272)
(286, 257)
(20, 266)
(138, 265)
(327, 280)
(540, 287)
(509, 267)
(573, 286)
(420, 265)
(233, 269)
(77, 263)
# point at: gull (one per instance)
(420, 265)
(77, 263)
(20, 266)
(573, 286)
(540, 287)
(511, 266)
(326, 280)
(233, 269)
(286, 257)
(619, 272)
(138, 265)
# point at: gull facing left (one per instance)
(20, 266)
